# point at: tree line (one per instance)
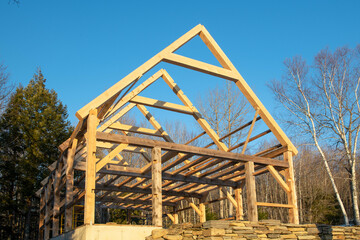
(33, 123)
(319, 107)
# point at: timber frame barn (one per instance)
(171, 172)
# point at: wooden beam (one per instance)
(203, 123)
(116, 188)
(149, 143)
(250, 131)
(69, 175)
(291, 195)
(124, 100)
(265, 204)
(161, 105)
(90, 174)
(56, 200)
(133, 129)
(229, 197)
(278, 178)
(105, 160)
(42, 215)
(156, 187)
(239, 202)
(199, 66)
(153, 122)
(251, 192)
(134, 172)
(152, 62)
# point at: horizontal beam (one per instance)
(265, 204)
(148, 143)
(203, 67)
(133, 129)
(103, 187)
(162, 105)
(131, 201)
(133, 172)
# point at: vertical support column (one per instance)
(239, 202)
(203, 212)
(69, 185)
(89, 208)
(156, 187)
(290, 179)
(56, 205)
(251, 192)
(176, 218)
(128, 214)
(42, 215)
(47, 210)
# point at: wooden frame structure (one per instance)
(172, 172)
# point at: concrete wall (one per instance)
(107, 232)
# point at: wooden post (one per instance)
(251, 192)
(56, 205)
(203, 212)
(42, 215)
(47, 210)
(89, 208)
(239, 202)
(128, 214)
(176, 218)
(156, 187)
(292, 199)
(69, 185)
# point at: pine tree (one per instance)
(31, 128)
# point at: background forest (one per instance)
(318, 102)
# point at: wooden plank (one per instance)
(291, 195)
(156, 187)
(278, 178)
(199, 66)
(149, 143)
(90, 174)
(161, 105)
(83, 112)
(251, 192)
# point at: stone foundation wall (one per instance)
(244, 230)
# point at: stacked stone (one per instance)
(245, 230)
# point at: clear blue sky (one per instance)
(84, 47)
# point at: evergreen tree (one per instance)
(31, 128)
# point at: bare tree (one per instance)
(322, 102)
(225, 109)
(5, 87)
